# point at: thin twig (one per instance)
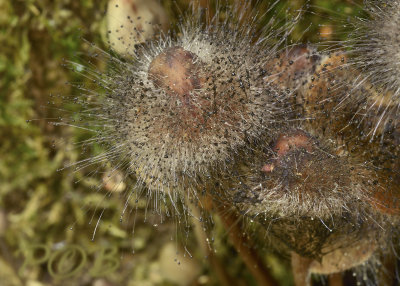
(301, 270)
(223, 276)
(335, 279)
(250, 257)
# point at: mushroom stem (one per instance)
(301, 270)
(243, 246)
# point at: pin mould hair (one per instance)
(374, 51)
(182, 103)
(371, 51)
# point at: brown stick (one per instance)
(250, 257)
(301, 271)
(387, 274)
(223, 276)
(335, 279)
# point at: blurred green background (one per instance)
(39, 204)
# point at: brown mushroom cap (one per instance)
(177, 71)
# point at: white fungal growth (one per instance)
(183, 103)
(375, 53)
(377, 41)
